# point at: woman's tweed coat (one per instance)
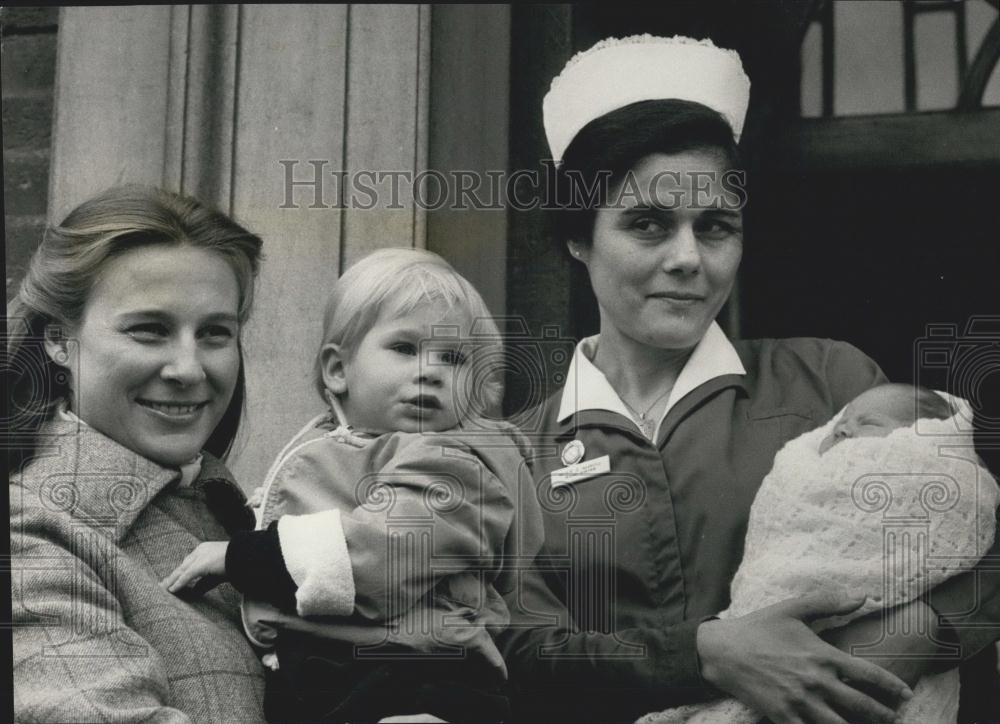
(94, 528)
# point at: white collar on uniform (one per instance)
(189, 470)
(588, 389)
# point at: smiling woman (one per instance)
(157, 356)
(128, 387)
(663, 263)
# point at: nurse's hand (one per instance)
(774, 663)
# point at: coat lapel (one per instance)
(93, 479)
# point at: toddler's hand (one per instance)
(205, 560)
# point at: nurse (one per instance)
(650, 456)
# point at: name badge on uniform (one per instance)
(581, 471)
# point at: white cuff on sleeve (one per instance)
(316, 556)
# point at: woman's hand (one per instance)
(773, 662)
(207, 559)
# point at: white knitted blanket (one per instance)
(888, 517)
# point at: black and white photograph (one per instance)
(588, 362)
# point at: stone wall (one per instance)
(28, 78)
(232, 103)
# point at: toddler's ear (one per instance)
(333, 369)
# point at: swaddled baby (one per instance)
(837, 498)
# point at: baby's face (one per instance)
(874, 413)
(405, 378)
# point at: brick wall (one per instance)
(28, 49)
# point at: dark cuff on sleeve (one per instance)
(681, 666)
(697, 659)
(255, 566)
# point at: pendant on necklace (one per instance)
(647, 426)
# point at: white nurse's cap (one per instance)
(619, 71)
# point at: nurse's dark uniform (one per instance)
(644, 535)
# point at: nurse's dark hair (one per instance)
(63, 270)
(611, 145)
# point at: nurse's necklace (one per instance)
(647, 426)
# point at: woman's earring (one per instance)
(56, 345)
(576, 250)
